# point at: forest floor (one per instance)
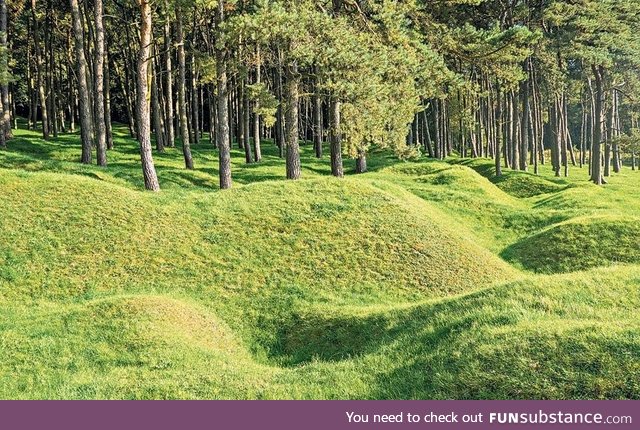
(419, 279)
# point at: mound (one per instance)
(525, 185)
(123, 347)
(153, 319)
(348, 234)
(562, 336)
(66, 235)
(514, 183)
(452, 179)
(252, 254)
(578, 244)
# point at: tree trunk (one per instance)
(427, 142)
(513, 129)
(361, 162)
(280, 120)
(596, 167)
(335, 139)
(293, 149)
(615, 132)
(101, 128)
(40, 66)
(608, 139)
(244, 115)
(224, 144)
(526, 125)
(437, 134)
(107, 102)
(5, 113)
(498, 163)
(317, 123)
(195, 105)
(168, 83)
(142, 101)
(213, 123)
(155, 107)
(257, 150)
(83, 88)
(182, 98)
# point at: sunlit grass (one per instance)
(392, 284)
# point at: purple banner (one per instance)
(317, 415)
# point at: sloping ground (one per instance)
(64, 236)
(579, 244)
(250, 254)
(517, 184)
(385, 285)
(471, 201)
(545, 337)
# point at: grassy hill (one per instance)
(419, 279)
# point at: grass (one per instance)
(419, 279)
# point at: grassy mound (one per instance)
(384, 285)
(252, 255)
(128, 347)
(527, 185)
(469, 200)
(453, 178)
(517, 184)
(562, 336)
(579, 244)
(241, 239)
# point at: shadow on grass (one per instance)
(307, 337)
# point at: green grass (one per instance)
(416, 280)
(578, 244)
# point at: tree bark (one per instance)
(596, 167)
(498, 164)
(293, 149)
(40, 68)
(526, 125)
(168, 82)
(337, 168)
(257, 150)
(155, 108)
(317, 123)
(5, 113)
(361, 162)
(101, 128)
(142, 101)
(244, 115)
(107, 102)
(223, 141)
(280, 120)
(182, 100)
(195, 105)
(83, 88)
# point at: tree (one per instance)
(292, 76)
(182, 90)
(101, 126)
(40, 65)
(86, 129)
(5, 120)
(223, 141)
(142, 103)
(508, 81)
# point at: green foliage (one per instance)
(267, 102)
(629, 143)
